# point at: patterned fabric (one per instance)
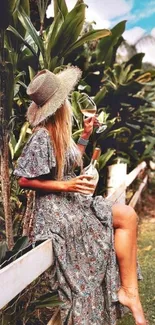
(85, 270)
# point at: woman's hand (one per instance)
(89, 124)
(80, 184)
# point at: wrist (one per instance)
(82, 141)
(64, 186)
(85, 135)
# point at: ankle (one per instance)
(131, 292)
(129, 297)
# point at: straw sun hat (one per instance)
(49, 91)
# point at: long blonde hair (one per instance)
(59, 127)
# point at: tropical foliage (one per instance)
(27, 51)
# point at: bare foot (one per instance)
(129, 297)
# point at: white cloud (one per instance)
(149, 53)
(49, 12)
(109, 9)
(92, 16)
(145, 42)
(101, 11)
(147, 46)
(153, 32)
(133, 35)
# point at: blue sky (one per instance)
(144, 13)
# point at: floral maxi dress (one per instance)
(85, 268)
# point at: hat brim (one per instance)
(68, 78)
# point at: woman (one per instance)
(92, 285)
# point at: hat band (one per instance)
(50, 96)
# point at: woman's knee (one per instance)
(124, 215)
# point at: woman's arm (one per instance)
(82, 147)
(79, 184)
(89, 123)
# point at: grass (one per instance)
(146, 257)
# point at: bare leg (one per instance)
(125, 225)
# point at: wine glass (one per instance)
(88, 108)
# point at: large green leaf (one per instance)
(15, 32)
(3, 250)
(148, 110)
(60, 7)
(133, 126)
(12, 5)
(105, 49)
(52, 33)
(15, 22)
(132, 87)
(124, 73)
(7, 84)
(12, 144)
(75, 106)
(51, 299)
(100, 95)
(26, 22)
(25, 4)
(48, 304)
(118, 131)
(90, 36)
(148, 151)
(132, 74)
(20, 244)
(105, 158)
(69, 31)
(136, 60)
(76, 134)
(21, 141)
(111, 77)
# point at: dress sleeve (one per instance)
(37, 157)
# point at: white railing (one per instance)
(19, 274)
(120, 191)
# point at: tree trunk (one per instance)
(5, 183)
(6, 75)
(28, 214)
